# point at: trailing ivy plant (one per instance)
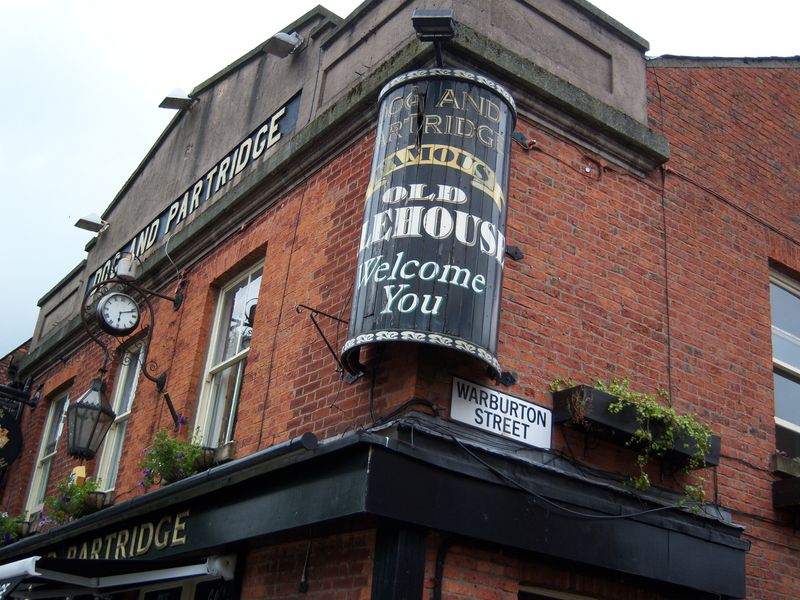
(659, 426)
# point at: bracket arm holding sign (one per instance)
(313, 312)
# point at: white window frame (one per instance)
(204, 419)
(45, 459)
(792, 286)
(108, 465)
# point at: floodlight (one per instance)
(92, 222)
(177, 99)
(282, 44)
(434, 25)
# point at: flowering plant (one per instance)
(10, 527)
(170, 458)
(70, 502)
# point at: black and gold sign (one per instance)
(10, 438)
(432, 247)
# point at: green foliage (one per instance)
(561, 383)
(10, 527)
(170, 458)
(69, 502)
(659, 429)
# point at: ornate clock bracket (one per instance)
(143, 297)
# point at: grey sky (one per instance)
(82, 80)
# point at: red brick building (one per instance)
(650, 224)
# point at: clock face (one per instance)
(117, 313)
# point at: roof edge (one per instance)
(758, 62)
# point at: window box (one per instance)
(786, 494)
(587, 408)
(205, 460)
(95, 501)
(786, 491)
(211, 457)
(225, 453)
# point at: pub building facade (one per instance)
(375, 268)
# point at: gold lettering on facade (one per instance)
(122, 539)
(108, 543)
(162, 540)
(168, 531)
(97, 546)
(142, 547)
(482, 175)
(178, 531)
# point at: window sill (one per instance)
(784, 465)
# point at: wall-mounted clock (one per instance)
(117, 313)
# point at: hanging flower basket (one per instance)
(170, 458)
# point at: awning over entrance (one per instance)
(38, 577)
(417, 470)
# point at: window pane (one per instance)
(787, 441)
(127, 383)
(40, 482)
(785, 310)
(55, 424)
(234, 329)
(786, 348)
(787, 397)
(44, 461)
(247, 303)
(225, 390)
(113, 447)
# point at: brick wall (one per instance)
(730, 190)
(339, 567)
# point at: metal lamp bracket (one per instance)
(313, 312)
(143, 295)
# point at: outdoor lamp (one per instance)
(128, 266)
(92, 222)
(282, 44)
(89, 419)
(177, 99)
(433, 25)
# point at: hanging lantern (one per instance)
(89, 419)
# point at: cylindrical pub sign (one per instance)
(432, 247)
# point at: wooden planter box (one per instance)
(586, 407)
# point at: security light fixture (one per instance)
(89, 418)
(282, 44)
(434, 25)
(128, 266)
(177, 100)
(91, 222)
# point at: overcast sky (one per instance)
(81, 81)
